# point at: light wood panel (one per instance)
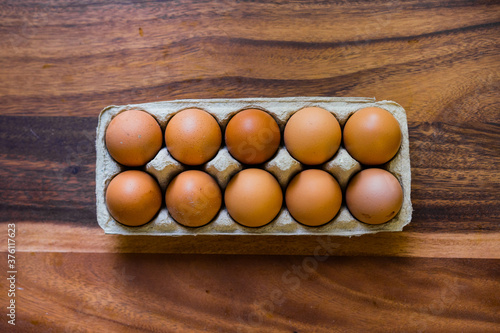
(50, 237)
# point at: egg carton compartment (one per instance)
(282, 165)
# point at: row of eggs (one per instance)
(253, 197)
(312, 136)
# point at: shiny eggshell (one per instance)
(133, 197)
(313, 197)
(252, 136)
(193, 136)
(312, 135)
(133, 138)
(372, 136)
(374, 196)
(193, 198)
(253, 197)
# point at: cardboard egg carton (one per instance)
(223, 166)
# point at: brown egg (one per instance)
(253, 197)
(313, 197)
(372, 136)
(312, 135)
(193, 136)
(374, 196)
(193, 198)
(252, 136)
(133, 137)
(133, 197)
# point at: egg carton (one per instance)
(223, 166)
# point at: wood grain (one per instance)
(51, 237)
(61, 62)
(71, 292)
(74, 60)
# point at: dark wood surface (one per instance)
(61, 62)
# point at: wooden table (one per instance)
(61, 62)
